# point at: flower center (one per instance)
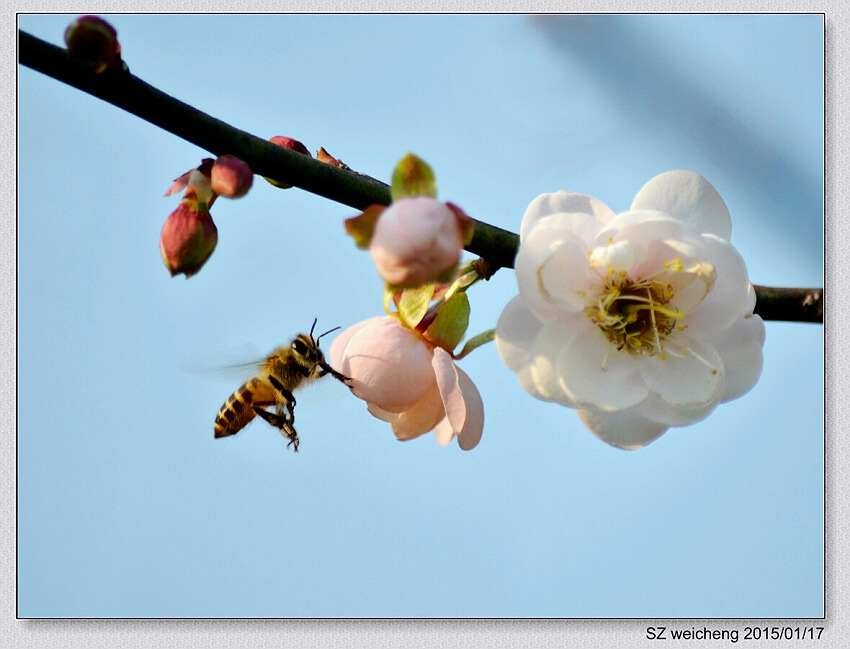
(633, 314)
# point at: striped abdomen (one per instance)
(238, 410)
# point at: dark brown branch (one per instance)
(791, 304)
(344, 186)
(130, 93)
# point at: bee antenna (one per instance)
(326, 333)
(313, 327)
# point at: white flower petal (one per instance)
(740, 347)
(688, 197)
(654, 409)
(573, 226)
(729, 297)
(548, 345)
(526, 265)
(541, 247)
(641, 228)
(750, 304)
(563, 278)
(624, 429)
(689, 376)
(516, 332)
(620, 256)
(563, 202)
(594, 373)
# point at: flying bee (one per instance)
(285, 369)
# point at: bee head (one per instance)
(316, 341)
(306, 347)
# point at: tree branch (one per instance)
(356, 190)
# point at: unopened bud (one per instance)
(293, 145)
(231, 177)
(416, 241)
(188, 238)
(93, 43)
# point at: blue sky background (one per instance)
(128, 507)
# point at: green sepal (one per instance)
(414, 304)
(475, 342)
(413, 177)
(362, 226)
(449, 327)
(389, 296)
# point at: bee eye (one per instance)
(299, 347)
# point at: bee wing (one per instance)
(234, 366)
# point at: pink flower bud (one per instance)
(92, 42)
(287, 143)
(416, 241)
(188, 238)
(231, 177)
(408, 382)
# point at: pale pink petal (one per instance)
(389, 365)
(380, 413)
(688, 197)
(336, 354)
(563, 202)
(446, 374)
(594, 373)
(179, 184)
(469, 436)
(421, 417)
(624, 429)
(443, 432)
(687, 374)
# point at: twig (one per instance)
(356, 190)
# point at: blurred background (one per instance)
(127, 506)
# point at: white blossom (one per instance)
(642, 320)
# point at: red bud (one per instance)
(93, 43)
(188, 238)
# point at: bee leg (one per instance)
(282, 423)
(287, 396)
(327, 369)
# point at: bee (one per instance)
(279, 374)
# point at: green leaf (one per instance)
(449, 327)
(414, 304)
(413, 177)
